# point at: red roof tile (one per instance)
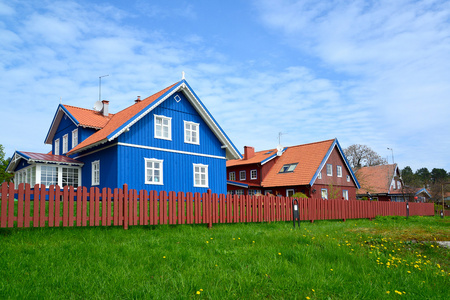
(88, 117)
(308, 156)
(375, 179)
(50, 158)
(118, 120)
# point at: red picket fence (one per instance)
(41, 207)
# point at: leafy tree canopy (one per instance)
(3, 164)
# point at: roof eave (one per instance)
(55, 122)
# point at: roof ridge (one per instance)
(87, 109)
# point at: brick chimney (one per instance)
(137, 100)
(249, 152)
(105, 109)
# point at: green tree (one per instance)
(438, 175)
(408, 176)
(4, 177)
(424, 176)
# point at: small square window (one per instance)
(290, 192)
(324, 193)
(288, 168)
(242, 175)
(320, 175)
(329, 170)
(348, 178)
(232, 176)
(339, 171)
(253, 174)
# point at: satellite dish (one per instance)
(98, 106)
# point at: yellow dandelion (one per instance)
(331, 270)
(198, 292)
(164, 257)
(409, 272)
(207, 242)
(398, 292)
(313, 290)
(201, 290)
(388, 292)
(307, 297)
(279, 253)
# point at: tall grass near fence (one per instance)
(387, 258)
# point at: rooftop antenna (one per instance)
(100, 87)
(279, 137)
(182, 75)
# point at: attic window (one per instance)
(177, 98)
(268, 152)
(289, 168)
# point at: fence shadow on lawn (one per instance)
(68, 207)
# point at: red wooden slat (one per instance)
(141, 207)
(180, 207)
(104, 206)
(51, 206)
(84, 201)
(10, 205)
(116, 207)
(152, 207)
(163, 207)
(171, 207)
(41, 208)
(109, 216)
(135, 208)
(4, 206)
(144, 203)
(97, 207)
(189, 208)
(71, 205)
(91, 205)
(27, 217)
(79, 205)
(65, 206)
(20, 196)
(125, 207)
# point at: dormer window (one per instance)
(288, 168)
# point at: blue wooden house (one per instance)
(168, 141)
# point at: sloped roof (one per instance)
(116, 121)
(40, 157)
(88, 117)
(376, 179)
(309, 158)
(115, 124)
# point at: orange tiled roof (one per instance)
(375, 179)
(118, 120)
(308, 156)
(88, 117)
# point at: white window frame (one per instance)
(290, 191)
(95, 172)
(153, 169)
(320, 175)
(232, 176)
(169, 127)
(348, 178)
(203, 170)
(56, 152)
(255, 173)
(191, 127)
(329, 170)
(339, 171)
(242, 177)
(74, 137)
(324, 193)
(345, 194)
(65, 145)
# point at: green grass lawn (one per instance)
(387, 258)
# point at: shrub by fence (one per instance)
(55, 206)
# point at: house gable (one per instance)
(125, 119)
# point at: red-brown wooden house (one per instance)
(319, 170)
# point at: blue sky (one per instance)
(366, 72)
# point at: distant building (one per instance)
(318, 170)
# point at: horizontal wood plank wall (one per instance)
(67, 207)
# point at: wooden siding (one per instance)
(65, 127)
(142, 132)
(178, 171)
